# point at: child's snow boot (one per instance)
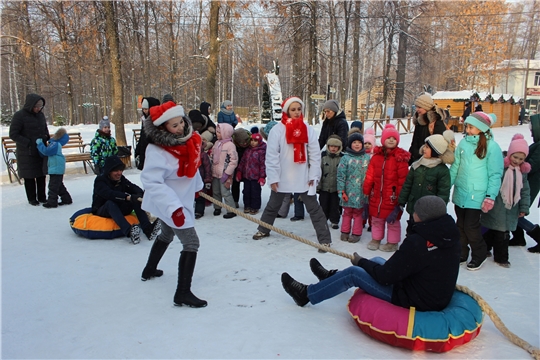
(518, 238)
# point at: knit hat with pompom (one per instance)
(369, 137)
(389, 131)
(518, 144)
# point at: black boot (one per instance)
(297, 290)
(535, 234)
(319, 271)
(156, 253)
(183, 295)
(518, 238)
(500, 247)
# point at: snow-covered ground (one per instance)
(64, 296)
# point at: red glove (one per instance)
(487, 204)
(344, 196)
(238, 176)
(197, 194)
(262, 181)
(178, 217)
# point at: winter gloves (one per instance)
(487, 204)
(224, 178)
(344, 196)
(178, 217)
(356, 259)
(394, 214)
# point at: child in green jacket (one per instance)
(428, 175)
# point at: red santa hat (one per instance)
(288, 101)
(165, 112)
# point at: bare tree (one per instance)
(111, 33)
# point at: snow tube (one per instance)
(437, 331)
(91, 226)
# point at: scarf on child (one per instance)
(188, 155)
(429, 163)
(296, 133)
(511, 199)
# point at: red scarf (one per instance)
(296, 133)
(188, 155)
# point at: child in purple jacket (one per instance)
(252, 172)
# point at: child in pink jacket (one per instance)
(224, 161)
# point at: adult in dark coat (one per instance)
(115, 197)
(421, 274)
(335, 123)
(140, 149)
(428, 120)
(27, 125)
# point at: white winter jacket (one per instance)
(164, 190)
(280, 166)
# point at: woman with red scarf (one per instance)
(171, 179)
(293, 165)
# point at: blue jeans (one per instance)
(353, 276)
(526, 224)
(298, 206)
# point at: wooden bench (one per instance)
(75, 142)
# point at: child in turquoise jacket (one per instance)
(476, 175)
(56, 163)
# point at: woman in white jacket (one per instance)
(171, 179)
(293, 166)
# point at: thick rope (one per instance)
(535, 352)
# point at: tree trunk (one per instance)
(356, 60)
(111, 34)
(214, 54)
(401, 60)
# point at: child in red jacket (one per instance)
(385, 176)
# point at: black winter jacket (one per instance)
(26, 127)
(421, 131)
(140, 149)
(335, 126)
(106, 189)
(425, 269)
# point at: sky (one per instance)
(64, 296)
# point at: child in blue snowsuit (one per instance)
(56, 163)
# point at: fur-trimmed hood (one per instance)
(61, 136)
(160, 136)
(431, 116)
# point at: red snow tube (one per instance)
(437, 331)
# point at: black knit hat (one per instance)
(355, 134)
